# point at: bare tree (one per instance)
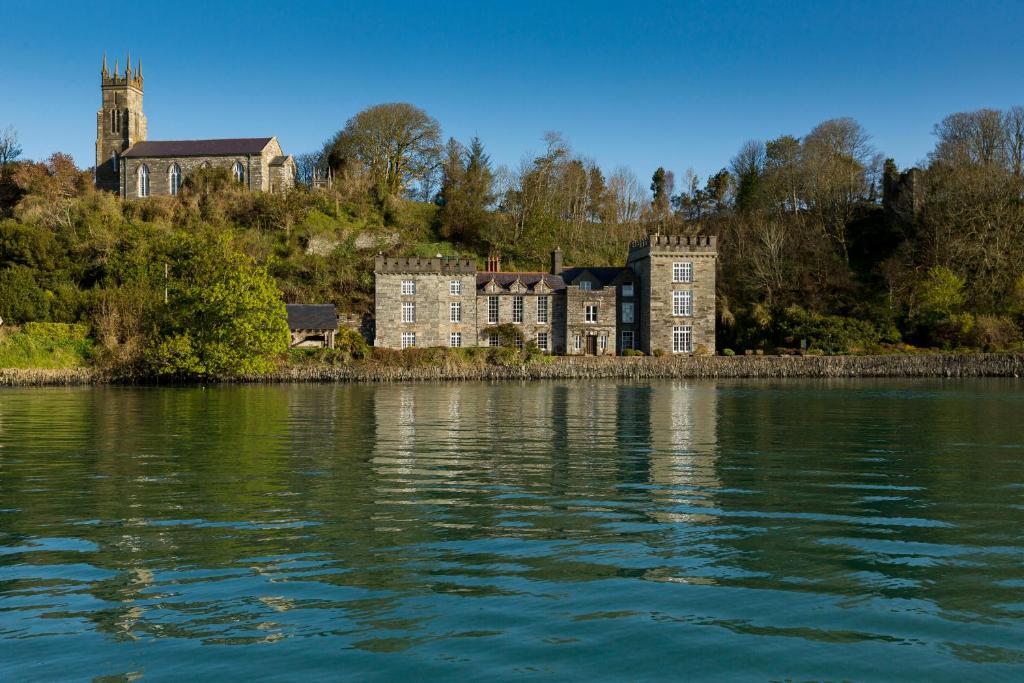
(10, 149)
(306, 166)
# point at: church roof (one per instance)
(196, 148)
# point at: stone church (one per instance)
(135, 167)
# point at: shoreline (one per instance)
(948, 365)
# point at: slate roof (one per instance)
(312, 317)
(196, 148)
(505, 280)
(605, 274)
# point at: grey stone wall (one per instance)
(257, 178)
(653, 259)
(530, 326)
(125, 98)
(433, 299)
(576, 301)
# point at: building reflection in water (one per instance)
(684, 449)
(550, 438)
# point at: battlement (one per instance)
(128, 78)
(445, 265)
(653, 243)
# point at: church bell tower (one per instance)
(120, 122)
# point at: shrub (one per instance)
(658, 353)
(632, 352)
(728, 352)
(508, 334)
(59, 333)
(21, 297)
(993, 333)
(351, 343)
(504, 356)
(832, 334)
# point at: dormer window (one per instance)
(585, 285)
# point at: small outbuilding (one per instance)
(313, 326)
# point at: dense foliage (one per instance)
(823, 243)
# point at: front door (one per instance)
(591, 345)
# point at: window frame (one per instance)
(408, 288)
(455, 311)
(143, 178)
(586, 286)
(408, 340)
(627, 293)
(493, 310)
(174, 179)
(455, 340)
(455, 288)
(632, 340)
(408, 312)
(682, 303)
(682, 339)
(577, 342)
(631, 318)
(518, 309)
(238, 171)
(682, 272)
(587, 317)
(493, 340)
(543, 311)
(542, 336)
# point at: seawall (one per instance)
(632, 368)
(699, 367)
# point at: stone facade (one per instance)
(663, 300)
(135, 167)
(533, 302)
(666, 265)
(428, 298)
(258, 170)
(590, 322)
(120, 122)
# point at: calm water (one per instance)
(857, 530)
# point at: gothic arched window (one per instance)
(239, 172)
(115, 160)
(143, 181)
(174, 177)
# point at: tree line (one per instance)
(824, 243)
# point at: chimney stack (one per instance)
(556, 261)
(494, 263)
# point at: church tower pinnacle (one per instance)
(120, 122)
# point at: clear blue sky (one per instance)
(677, 84)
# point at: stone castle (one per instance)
(662, 300)
(135, 167)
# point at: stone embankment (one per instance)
(634, 368)
(31, 377)
(698, 367)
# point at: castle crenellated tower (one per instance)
(120, 122)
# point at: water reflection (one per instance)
(690, 519)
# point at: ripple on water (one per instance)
(591, 530)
